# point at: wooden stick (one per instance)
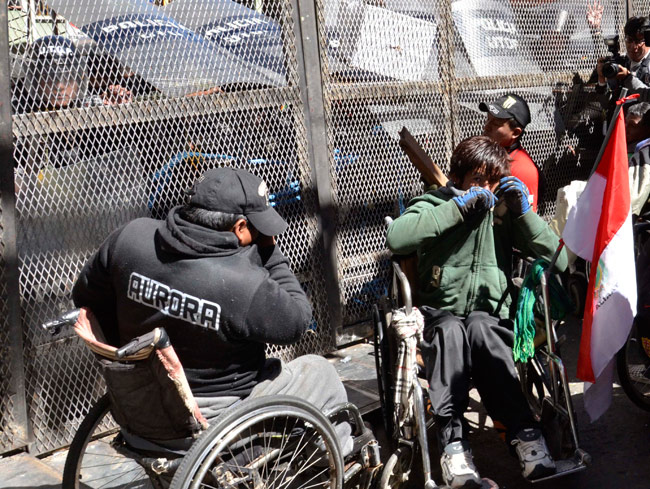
(431, 173)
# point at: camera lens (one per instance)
(610, 70)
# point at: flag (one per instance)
(599, 229)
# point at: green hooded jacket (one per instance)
(464, 266)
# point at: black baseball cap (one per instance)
(237, 191)
(510, 106)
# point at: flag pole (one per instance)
(610, 129)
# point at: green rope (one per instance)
(524, 345)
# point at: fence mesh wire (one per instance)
(112, 144)
(119, 105)
(427, 66)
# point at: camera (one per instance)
(610, 69)
(614, 60)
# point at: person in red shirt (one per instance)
(508, 116)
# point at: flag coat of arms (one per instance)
(599, 230)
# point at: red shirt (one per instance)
(524, 169)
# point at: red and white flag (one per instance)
(599, 229)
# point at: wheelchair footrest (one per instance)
(577, 463)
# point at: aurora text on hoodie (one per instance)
(173, 302)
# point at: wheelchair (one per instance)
(410, 443)
(543, 380)
(278, 441)
(545, 385)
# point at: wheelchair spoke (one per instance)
(272, 448)
(308, 463)
(282, 447)
(286, 437)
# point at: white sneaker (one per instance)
(533, 454)
(458, 466)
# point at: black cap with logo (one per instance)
(510, 106)
(237, 191)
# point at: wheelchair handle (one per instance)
(158, 338)
(405, 287)
(66, 319)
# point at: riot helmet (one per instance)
(56, 73)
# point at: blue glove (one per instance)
(515, 194)
(476, 200)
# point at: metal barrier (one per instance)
(308, 95)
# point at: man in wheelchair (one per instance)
(213, 278)
(464, 235)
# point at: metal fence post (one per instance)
(448, 69)
(311, 89)
(14, 422)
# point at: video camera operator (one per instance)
(631, 71)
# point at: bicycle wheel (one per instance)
(280, 442)
(633, 366)
(94, 460)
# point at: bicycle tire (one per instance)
(241, 444)
(633, 367)
(82, 468)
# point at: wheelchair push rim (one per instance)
(279, 442)
(93, 460)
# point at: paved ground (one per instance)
(619, 442)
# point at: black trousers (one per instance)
(478, 349)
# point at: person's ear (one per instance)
(516, 132)
(240, 229)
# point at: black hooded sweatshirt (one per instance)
(219, 302)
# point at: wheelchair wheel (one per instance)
(633, 366)
(397, 469)
(94, 459)
(279, 442)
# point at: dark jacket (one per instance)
(219, 302)
(637, 83)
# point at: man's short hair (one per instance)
(480, 153)
(219, 221)
(635, 25)
(640, 110)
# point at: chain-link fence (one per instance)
(119, 105)
(427, 66)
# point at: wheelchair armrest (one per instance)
(158, 338)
